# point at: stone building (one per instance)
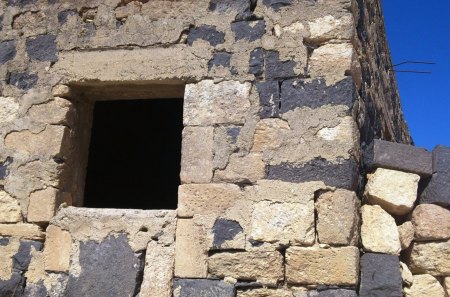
(248, 148)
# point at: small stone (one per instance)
(202, 287)
(379, 233)
(7, 51)
(431, 222)
(425, 285)
(61, 91)
(42, 48)
(447, 285)
(9, 209)
(207, 33)
(8, 109)
(407, 275)
(248, 30)
(235, 172)
(406, 234)
(57, 250)
(430, 258)
(264, 292)
(269, 134)
(393, 190)
(24, 231)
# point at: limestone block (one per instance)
(56, 111)
(379, 233)
(394, 191)
(207, 103)
(328, 27)
(43, 204)
(338, 218)
(264, 292)
(406, 234)
(58, 245)
(407, 275)
(263, 267)
(425, 285)
(190, 251)
(431, 222)
(197, 155)
(25, 231)
(331, 61)
(316, 266)
(8, 109)
(430, 258)
(269, 134)
(9, 209)
(158, 270)
(283, 222)
(47, 142)
(248, 168)
(207, 198)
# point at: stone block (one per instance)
(24, 231)
(447, 285)
(42, 48)
(316, 266)
(407, 276)
(269, 98)
(207, 33)
(398, 156)
(277, 68)
(269, 134)
(328, 27)
(12, 286)
(338, 218)
(425, 285)
(253, 170)
(22, 80)
(207, 103)
(430, 258)
(264, 292)
(197, 155)
(436, 191)
(441, 159)
(191, 251)
(8, 109)
(22, 258)
(394, 191)
(43, 205)
(262, 267)
(57, 112)
(9, 209)
(406, 234)
(380, 276)
(57, 250)
(202, 287)
(227, 235)
(7, 51)
(248, 30)
(158, 271)
(431, 222)
(256, 62)
(379, 233)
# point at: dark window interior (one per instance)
(135, 154)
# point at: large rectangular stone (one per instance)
(430, 258)
(380, 276)
(57, 249)
(316, 266)
(397, 156)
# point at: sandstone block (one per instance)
(56, 111)
(262, 267)
(197, 155)
(430, 258)
(425, 285)
(269, 134)
(338, 218)
(57, 250)
(316, 266)
(406, 234)
(207, 103)
(394, 191)
(265, 293)
(202, 287)
(431, 222)
(8, 109)
(235, 172)
(43, 204)
(24, 231)
(328, 27)
(379, 233)
(9, 209)
(190, 251)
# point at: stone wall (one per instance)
(280, 99)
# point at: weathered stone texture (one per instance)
(235, 172)
(265, 293)
(436, 191)
(43, 205)
(425, 285)
(8, 108)
(407, 275)
(7, 51)
(406, 234)
(25, 231)
(380, 276)
(431, 222)
(42, 48)
(330, 28)
(202, 287)
(9, 209)
(331, 61)
(57, 250)
(447, 285)
(430, 258)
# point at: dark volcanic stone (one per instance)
(4, 241)
(4, 167)
(337, 293)
(20, 2)
(63, 15)
(12, 286)
(42, 48)
(276, 69)
(298, 93)
(248, 30)
(380, 276)
(437, 190)
(269, 98)
(22, 259)
(207, 33)
(233, 133)
(35, 290)
(7, 51)
(1, 22)
(397, 156)
(341, 175)
(22, 80)
(277, 4)
(108, 268)
(242, 7)
(224, 230)
(256, 63)
(441, 159)
(220, 59)
(203, 288)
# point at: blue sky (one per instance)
(420, 30)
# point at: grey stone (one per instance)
(441, 159)
(256, 63)
(108, 268)
(269, 98)
(7, 51)
(220, 59)
(233, 133)
(22, 259)
(224, 230)
(35, 290)
(207, 33)
(4, 241)
(343, 174)
(337, 293)
(63, 15)
(1, 22)
(4, 167)
(276, 69)
(436, 192)
(12, 287)
(397, 156)
(42, 48)
(248, 30)
(22, 80)
(298, 93)
(380, 276)
(203, 288)
(277, 4)
(20, 2)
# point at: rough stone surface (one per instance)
(207, 33)
(379, 233)
(425, 285)
(441, 159)
(7, 51)
(407, 276)
(8, 108)
(431, 222)
(276, 68)
(57, 250)
(9, 209)
(256, 62)
(269, 134)
(316, 266)
(12, 286)
(248, 30)
(43, 205)
(58, 111)
(330, 28)
(22, 259)
(430, 258)
(202, 287)
(338, 218)
(277, 4)
(394, 191)
(224, 231)
(269, 98)
(42, 48)
(25, 231)
(22, 80)
(380, 276)
(335, 293)
(265, 293)
(235, 172)
(406, 234)
(263, 267)
(436, 191)
(447, 285)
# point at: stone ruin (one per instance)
(238, 148)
